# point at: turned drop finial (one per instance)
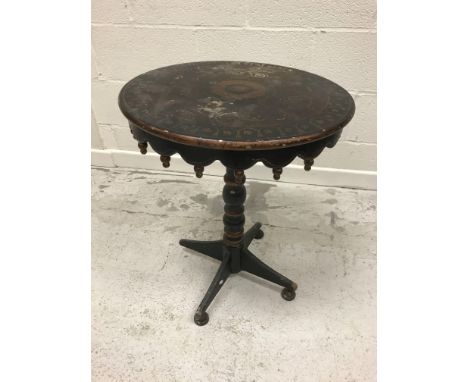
(277, 173)
(166, 160)
(143, 147)
(308, 164)
(198, 170)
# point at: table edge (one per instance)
(236, 145)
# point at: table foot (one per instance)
(288, 294)
(253, 233)
(234, 260)
(251, 264)
(201, 317)
(212, 249)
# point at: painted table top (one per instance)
(231, 105)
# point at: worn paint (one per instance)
(234, 105)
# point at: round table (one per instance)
(239, 113)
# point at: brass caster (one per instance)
(143, 147)
(259, 234)
(288, 294)
(201, 318)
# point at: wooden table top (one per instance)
(231, 105)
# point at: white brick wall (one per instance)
(335, 39)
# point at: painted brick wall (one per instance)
(335, 39)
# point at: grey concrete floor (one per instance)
(145, 287)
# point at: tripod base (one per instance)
(234, 260)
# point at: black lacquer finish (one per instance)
(239, 113)
(240, 160)
(233, 251)
(236, 105)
